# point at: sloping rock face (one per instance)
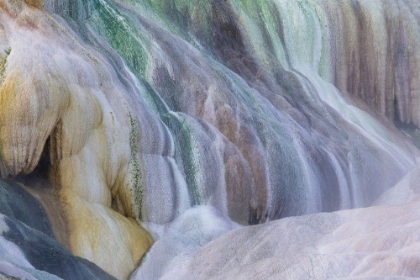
(378, 242)
(121, 114)
(27, 247)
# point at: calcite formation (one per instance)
(126, 122)
(58, 126)
(379, 242)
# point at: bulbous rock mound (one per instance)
(196, 119)
(62, 136)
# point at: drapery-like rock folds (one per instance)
(117, 112)
(59, 100)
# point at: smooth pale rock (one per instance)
(371, 243)
(11, 271)
(193, 229)
(403, 192)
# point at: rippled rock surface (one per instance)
(133, 122)
(378, 242)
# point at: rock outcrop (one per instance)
(118, 115)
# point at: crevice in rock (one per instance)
(408, 129)
(39, 184)
(39, 177)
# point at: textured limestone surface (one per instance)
(61, 137)
(379, 242)
(185, 123)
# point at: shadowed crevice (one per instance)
(46, 254)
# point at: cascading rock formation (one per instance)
(152, 139)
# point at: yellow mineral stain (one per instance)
(101, 235)
(35, 3)
(56, 96)
(29, 109)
